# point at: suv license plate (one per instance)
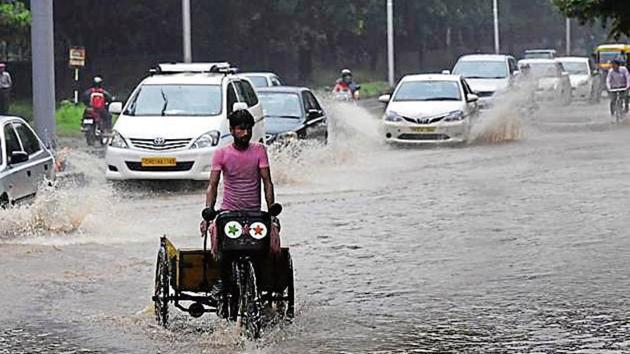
(158, 161)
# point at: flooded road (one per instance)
(512, 247)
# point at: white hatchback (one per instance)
(430, 109)
(175, 119)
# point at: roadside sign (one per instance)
(77, 57)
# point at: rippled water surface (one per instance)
(518, 246)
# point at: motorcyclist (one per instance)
(98, 99)
(618, 78)
(345, 83)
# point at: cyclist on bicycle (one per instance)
(618, 78)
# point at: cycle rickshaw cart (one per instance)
(255, 284)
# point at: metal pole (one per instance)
(495, 10)
(43, 71)
(390, 41)
(568, 39)
(76, 85)
(186, 31)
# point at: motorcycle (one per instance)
(344, 94)
(92, 125)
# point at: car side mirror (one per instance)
(385, 98)
(239, 106)
(18, 157)
(471, 97)
(115, 107)
(313, 113)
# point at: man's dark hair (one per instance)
(241, 117)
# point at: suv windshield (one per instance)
(574, 68)
(481, 69)
(428, 91)
(176, 100)
(281, 105)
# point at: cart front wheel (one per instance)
(161, 290)
(249, 301)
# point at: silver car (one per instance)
(24, 161)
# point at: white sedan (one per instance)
(430, 109)
(551, 80)
(585, 80)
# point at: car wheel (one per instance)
(4, 201)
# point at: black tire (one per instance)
(290, 313)
(90, 135)
(4, 201)
(162, 288)
(249, 308)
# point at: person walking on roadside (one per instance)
(5, 89)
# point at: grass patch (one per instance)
(68, 115)
(374, 89)
(69, 118)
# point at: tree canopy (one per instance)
(614, 12)
(15, 21)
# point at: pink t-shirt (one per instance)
(241, 175)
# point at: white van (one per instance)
(175, 119)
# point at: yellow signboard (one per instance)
(77, 56)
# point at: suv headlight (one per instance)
(118, 141)
(287, 136)
(207, 139)
(391, 116)
(454, 116)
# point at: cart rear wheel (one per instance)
(161, 290)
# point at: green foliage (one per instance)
(69, 118)
(374, 89)
(15, 20)
(614, 12)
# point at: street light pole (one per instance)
(43, 70)
(390, 41)
(495, 10)
(186, 31)
(568, 33)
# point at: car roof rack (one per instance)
(176, 68)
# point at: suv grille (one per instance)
(156, 145)
(180, 166)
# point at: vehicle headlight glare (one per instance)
(118, 141)
(454, 116)
(392, 116)
(207, 139)
(287, 136)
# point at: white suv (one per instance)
(175, 119)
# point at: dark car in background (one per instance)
(24, 161)
(292, 113)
